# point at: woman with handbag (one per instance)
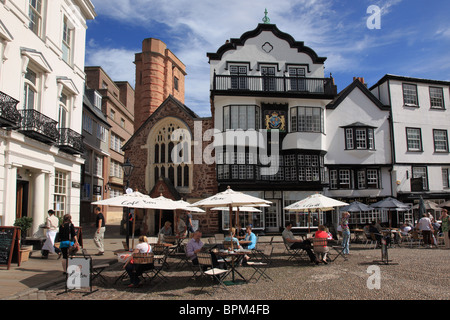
(67, 238)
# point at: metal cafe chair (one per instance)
(207, 269)
(260, 266)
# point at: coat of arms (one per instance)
(275, 120)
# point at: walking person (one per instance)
(67, 238)
(445, 228)
(345, 233)
(424, 225)
(100, 231)
(52, 226)
(189, 225)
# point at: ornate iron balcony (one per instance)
(261, 85)
(9, 115)
(70, 141)
(38, 126)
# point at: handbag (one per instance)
(74, 247)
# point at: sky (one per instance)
(405, 37)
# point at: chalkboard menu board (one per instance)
(8, 243)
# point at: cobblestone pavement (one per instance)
(412, 274)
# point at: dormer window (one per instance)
(359, 136)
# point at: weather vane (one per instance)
(266, 19)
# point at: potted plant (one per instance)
(24, 223)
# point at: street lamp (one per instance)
(127, 171)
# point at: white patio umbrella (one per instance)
(242, 208)
(184, 205)
(230, 199)
(133, 199)
(315, 202)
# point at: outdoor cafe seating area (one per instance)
(222, 263)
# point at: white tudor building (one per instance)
(42, 52)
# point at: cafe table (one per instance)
(236, 257)
(358, 234)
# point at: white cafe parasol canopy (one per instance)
(230, 199)
(315, 202)
(242, 208)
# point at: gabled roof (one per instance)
(233, 43)
(387, 77)
(355, 84)
(170, 99)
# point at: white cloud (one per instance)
(193, 28)
(117, 63)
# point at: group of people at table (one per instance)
(193, 247)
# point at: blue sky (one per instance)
(413, 38)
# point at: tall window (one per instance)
(241, 117)
(115, 169)
(116, 143)
(102, 133)
(419, 174)
(437, 98)
(35, 16)
(440, 140)
(410, 95)
(414, 139)
(238, 77)
(445, 178)
(269, 82)
(30, 89)
(60, 194)
(66, 41)
(307, 119)
(63, 113)
(98, 166)
(162, 164)
(87, 123)
(298, 79)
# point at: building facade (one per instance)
(160, 168)
(94, 182)
(118, 106)
(42, 51)
(419, 129)
(266, 82)
(281, 131)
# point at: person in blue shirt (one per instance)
(250, 236)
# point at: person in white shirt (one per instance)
(135, 270)
(52, 226)
(424, 225)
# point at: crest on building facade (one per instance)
(275, 120)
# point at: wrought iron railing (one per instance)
(296, 85)
(70, 141)
(9, 115)
(38, 126)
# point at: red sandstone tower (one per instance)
(159, 73)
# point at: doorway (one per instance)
(22, 199)
(272, 216)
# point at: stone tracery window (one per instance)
(161, 147)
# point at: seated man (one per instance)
(250, 236)
(194, 246)
(294, 243)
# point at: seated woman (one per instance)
(166, 230)
(321, 250)
(135, 270)
(233, 238)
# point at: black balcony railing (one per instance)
(38, 126)
(70, 141)
(270, 85)
(9, 115)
